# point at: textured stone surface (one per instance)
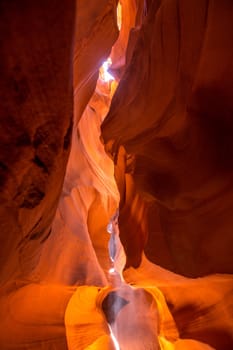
(96, 27)
(169, 133)
(36, 122)
(32, 316)
(200, 307)
(172, 113)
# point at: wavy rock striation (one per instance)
(169, 130)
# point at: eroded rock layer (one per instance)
(172, 116)
(169, 134)
(36, 124)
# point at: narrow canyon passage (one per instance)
(116, 168)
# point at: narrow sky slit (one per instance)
(119, 16)
(104, 74)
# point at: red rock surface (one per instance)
(169, 137)
(36, 124)
(172, 113)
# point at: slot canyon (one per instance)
(116, 175)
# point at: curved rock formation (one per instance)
(36, 124)
(162, 160)
(178, 136)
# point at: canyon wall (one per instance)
(169, 130)
(36, 124)
(167, 142)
